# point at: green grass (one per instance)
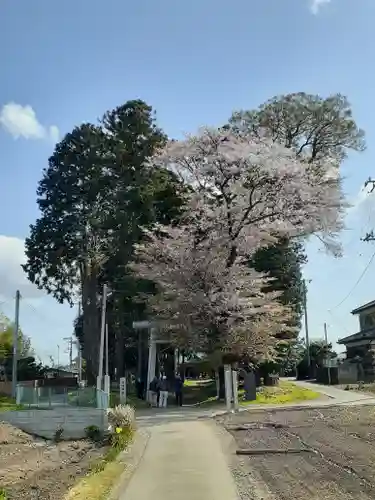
(131, 400)
(9, 404)
(199, 392)
(285, 392)
(104, 473)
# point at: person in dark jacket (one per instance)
(163, 397)
(154, 388)
(178, 389)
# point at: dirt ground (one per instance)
(35, 469)
(309, 454)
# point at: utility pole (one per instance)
(99, 379)
(370, 236)
(106, 351)
(58, 360)
(306, 326)
(15, 344)
(79, 348)
(70, 351)
(325, 333)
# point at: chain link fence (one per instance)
(52, 397)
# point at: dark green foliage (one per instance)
(27, 368)
(320, 351)
(95, 198)
(283, 262)
(309, 124)
(93, 433)
(72, 197)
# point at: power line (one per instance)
(42, 316)
(356, 283)
(338, 322)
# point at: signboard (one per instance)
(122, 390)
(141, 325)
(250, 387)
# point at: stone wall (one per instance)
(44, 423)
(347, 373)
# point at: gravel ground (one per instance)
(325, 453)
(36, 469)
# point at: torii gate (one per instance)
(153, 341)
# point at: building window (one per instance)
(369, 321)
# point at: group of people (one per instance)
(159, 391)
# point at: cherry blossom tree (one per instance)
(247, 193)
(205, 304)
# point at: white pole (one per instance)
(228, 386)
(15, 345)
(99, 378)
(106, 350)
(151, 360)
(107, 380)
(235, 389)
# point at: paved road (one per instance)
(182, 461)
(331, 396)
(184, 458)
(339, 396)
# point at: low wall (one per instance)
(44, 423)
(348, 373)
(6, 387)
(327, 375)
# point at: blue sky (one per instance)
(194, 62)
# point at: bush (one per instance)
(3, 494)
(58, 434)
(93, 432)
(121, 417)
(121, 420)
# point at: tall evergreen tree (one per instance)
(95, 197)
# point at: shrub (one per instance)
(93, 432)
(121, 417)
(58, 434)
(121, 420)
(3, 494)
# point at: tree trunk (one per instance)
(221, 382)
(91, 324)
(217, 380)
(120, 354)
(140, 352)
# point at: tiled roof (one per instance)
(362, 335)
(364, 307)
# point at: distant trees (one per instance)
(27, 367)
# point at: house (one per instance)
(60, 373)
(360, 347)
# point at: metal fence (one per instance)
(52, 397)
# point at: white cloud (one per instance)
(316, 5)
(54, 133)
(12, 276)
(21, 121)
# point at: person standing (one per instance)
(163, 398)
(154, 386)
(178, 389)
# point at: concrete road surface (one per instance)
(183, 461)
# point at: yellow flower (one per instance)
(118, 430)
